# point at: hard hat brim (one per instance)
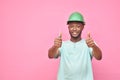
(76, 21)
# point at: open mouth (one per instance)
(74, 34)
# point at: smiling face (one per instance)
(75, 30)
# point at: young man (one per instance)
(75, 54)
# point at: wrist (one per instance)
(55, 47)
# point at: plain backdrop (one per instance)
(28, 29)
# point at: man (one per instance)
(75, 54)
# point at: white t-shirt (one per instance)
(75, 61)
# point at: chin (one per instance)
(75, 36)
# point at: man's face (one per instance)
(75, 29)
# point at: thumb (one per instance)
(60, 35)
(88, 35)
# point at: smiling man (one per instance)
(75, 54)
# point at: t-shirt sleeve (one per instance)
(90, 51)
(59, 52)
(61, 49)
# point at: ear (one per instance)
(68, 26)
(82, 27)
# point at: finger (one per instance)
(57, 44)
(58, 40)
(91, 44)
(89, 40)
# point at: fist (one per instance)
(90, 41)
(58, 41)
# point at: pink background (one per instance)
(28, 28)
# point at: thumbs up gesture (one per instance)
(90, 41)
(58, 41)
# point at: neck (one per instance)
(75, 39)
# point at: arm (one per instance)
(97, 53)
(53, 52)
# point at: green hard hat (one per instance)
(76, 17)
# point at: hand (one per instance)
(90, 41)
(58, 41)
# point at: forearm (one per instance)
(97, 53)
(52, 52)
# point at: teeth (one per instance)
(74, 33)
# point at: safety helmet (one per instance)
(76, 17)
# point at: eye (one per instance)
(71, 26)
(78, 26)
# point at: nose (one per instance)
(74, 28)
